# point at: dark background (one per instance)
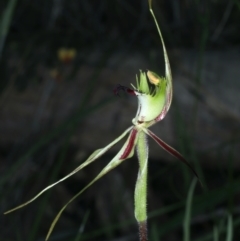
(55, 112)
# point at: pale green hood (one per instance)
(151, 93)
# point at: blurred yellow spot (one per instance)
(66, 55)
(54, 73)
(153, 78)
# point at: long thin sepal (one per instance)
(170, 150)
(166, 60)
(126, 152)
(95, 155)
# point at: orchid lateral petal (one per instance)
(96, 154)
(130, 144)
(170, 150)
(122, 155)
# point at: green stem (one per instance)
(5, 22)
(141, 186)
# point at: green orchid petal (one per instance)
(95, 155)
(126, 152)
(143, 83)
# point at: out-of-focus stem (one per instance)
(5, 21)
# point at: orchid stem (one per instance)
(141, 186)
(143, 231)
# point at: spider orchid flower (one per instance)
(154, 95)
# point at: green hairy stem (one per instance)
(141, 186)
